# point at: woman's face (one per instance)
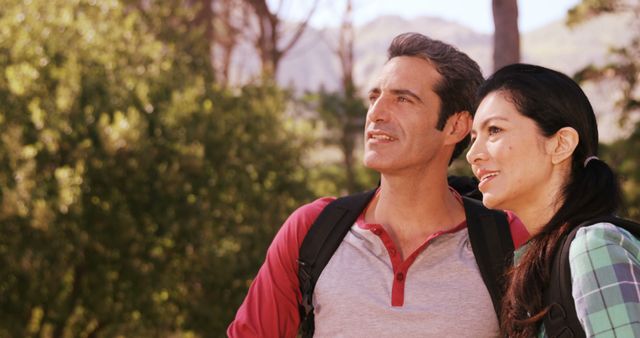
(508, 155)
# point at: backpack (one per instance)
(561, 320)
(489, 234)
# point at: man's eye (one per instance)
(494, 130)
(402, 99)
(372, 98)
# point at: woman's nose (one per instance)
(476, 151)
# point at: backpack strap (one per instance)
(492, 246)
(487, 229)
(322, 240)
(561, 319)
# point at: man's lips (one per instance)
(380, 136)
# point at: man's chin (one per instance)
(370, 162)
(376, 164)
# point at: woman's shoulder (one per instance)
(601, 238)
(605, 272)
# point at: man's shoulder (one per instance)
(307, 213)
(299, 222)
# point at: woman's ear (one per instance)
(458, 126)
(561, 145)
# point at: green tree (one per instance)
(342, 114)
(625, 69)
(136, 198)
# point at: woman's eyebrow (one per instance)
(491, 118)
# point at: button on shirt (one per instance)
(368, 290)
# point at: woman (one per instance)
(535, 142)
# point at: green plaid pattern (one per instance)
(605, 270)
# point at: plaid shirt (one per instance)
(605, 270)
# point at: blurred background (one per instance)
(149, 150)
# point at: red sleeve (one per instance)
(519, 233)
(270, 308)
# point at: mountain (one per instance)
(312, 62)
(571, 49)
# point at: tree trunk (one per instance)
(506, 37)
(349, 133)
(268, 41)
(204, 20)
(347, 149)
(230, 17)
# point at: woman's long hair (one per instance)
(553, 101)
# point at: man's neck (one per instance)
(413, 209)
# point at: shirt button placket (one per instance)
(392, 252)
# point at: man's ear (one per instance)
(562, 145)
(457, 127)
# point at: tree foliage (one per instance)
(136, 196)
(625, 70)
(342, 115)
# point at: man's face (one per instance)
(400, 129)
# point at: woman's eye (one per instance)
(494, 130)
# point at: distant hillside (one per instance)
(570, 49)
(312, 63)
(373, 39)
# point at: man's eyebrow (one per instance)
(375, 90)
(406, 92)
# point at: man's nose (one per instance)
(378, 110)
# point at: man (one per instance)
(405, 268)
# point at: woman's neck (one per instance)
(537, 208)
(537, 213)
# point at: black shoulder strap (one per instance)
(489, 235)
(492, 246)
(322, 240)
(561, 320)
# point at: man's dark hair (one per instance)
(461, 76)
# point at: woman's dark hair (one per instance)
(553, 101)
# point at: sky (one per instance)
(475, 14)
